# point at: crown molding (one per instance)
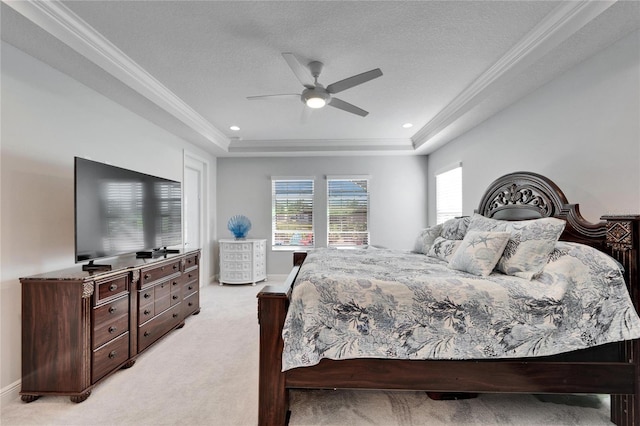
(322, 147)
(61, 22)
(556, 27)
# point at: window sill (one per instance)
(291, 248)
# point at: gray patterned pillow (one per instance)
(479, 252)
(426, 238)
(443, 249)
(455, 229)
(529, 246)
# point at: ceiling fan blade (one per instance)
(299, 70)
(348, 83)
(274, 97)
(346, 106)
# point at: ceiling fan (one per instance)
(315, 95)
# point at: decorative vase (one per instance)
(239, 226)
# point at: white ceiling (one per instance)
(188, 66)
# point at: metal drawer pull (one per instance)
(112, 354)
(175, 315)
(190, 303)
(175, 267)
(147, 334)
(175, 283)
(175, 297)
(147, 295)
(147, 312)
(113, 287)
(190, 287)
(147, 276)
(112, 309)
(112, 329)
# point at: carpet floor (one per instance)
(207, 374)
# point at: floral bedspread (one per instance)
(379, 303)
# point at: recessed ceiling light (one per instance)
(234, 128)
(407, 125)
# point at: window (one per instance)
(449, 194)
(347, 212)
(292, 212)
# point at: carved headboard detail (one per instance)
(526, 195)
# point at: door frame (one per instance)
(198, 163)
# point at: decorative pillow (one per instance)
(529, 246)
(443, 249)
(456, 228)
(426, 238)
(479, 252)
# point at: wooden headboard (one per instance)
(526, 195)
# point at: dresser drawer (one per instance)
(110, 311)
(145, 313)
(150, 275)
(158, 327)
(111, 288)
(191, 262)
(189, 288)
(191, 304)
(109, 356)
(110, 327)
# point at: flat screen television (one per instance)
(120, 211)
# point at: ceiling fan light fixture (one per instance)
(316, 102)
(316, 97)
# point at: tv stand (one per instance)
(92, 267)
(79, 327)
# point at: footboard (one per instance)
(273, 302)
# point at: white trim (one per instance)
(448, 168)
(195, 162)
(61, 22)
(348, 177)
(555, 28)
(313, 178)
(10, 393)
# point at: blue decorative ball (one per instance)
(239, 226)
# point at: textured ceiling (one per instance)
(447, 65)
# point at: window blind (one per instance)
(449, 194)
(348, 212)
(292, 212)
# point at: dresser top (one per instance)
(118, 265)
(245, 240)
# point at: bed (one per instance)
(604, 368)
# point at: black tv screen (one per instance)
(120, 211)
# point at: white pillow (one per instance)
(426, 238)
(443, 249)
(479, 252)
(529, 246)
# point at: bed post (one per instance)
(623, 239)
(273, 399)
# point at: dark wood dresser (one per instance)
(79, 327)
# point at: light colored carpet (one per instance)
(206, 374)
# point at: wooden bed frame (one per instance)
(610, 369)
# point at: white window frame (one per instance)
(348, 243)
(276, 244)
(449, 193)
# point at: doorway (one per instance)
(195, 210)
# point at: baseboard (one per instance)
(10, 393)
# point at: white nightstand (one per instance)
(243, 261)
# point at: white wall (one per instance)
(582, 130)
(47, 119)
(398, 196)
